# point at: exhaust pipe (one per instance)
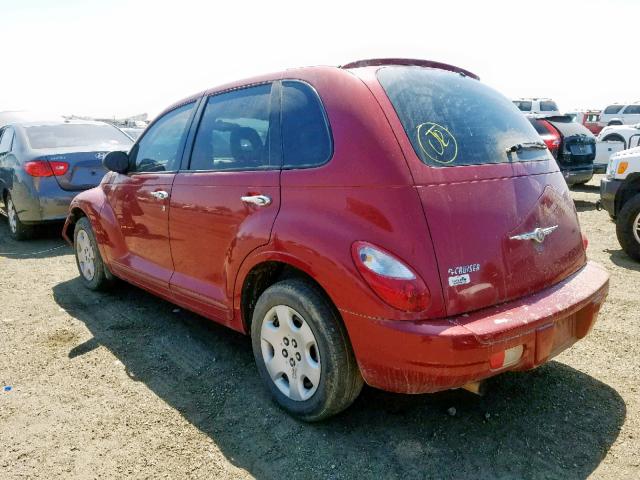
(479, 388)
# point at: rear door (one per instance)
(224, 204)
(140, 200)
(482, 203)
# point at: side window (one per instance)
(611, 109)
(306, 140)
(632, 110)
(524, 106)
(548, 106)
(6, 138)
(160, 148)
(234, 131)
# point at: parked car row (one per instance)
(392, 222)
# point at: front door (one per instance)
(140, 201)
(224, 205)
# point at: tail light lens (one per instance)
(551, 139)
(391, 279)
(585, 241)
(43, 168)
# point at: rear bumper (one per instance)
(43, 201)
(573, 177)
(608, 192)
(433, 355)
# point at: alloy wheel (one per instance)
(636, 228)
(13, 216)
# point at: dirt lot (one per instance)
(123, 385)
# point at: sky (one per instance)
(119, 58)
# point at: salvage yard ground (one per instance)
(125, 385)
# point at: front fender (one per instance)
(87, 204)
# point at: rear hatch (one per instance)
(77, 149)
(485, 207)
(578, 148)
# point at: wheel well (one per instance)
(615, 122)
(629, 190)
(75, 215)
(261, 277)
(615, 137)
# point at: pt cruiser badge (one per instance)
(537, 235)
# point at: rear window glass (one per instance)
(633, 109)
(540, 128)
(76, 135)
(452, 120)
(613, 109)
(523, 105)
(548, 106)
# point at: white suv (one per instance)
(620, 196)
(537, 105)
(619, 114)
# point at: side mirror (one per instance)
(116, 162)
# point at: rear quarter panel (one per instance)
(365, 192)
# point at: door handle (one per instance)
(259, 200)
(160, 195)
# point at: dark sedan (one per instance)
(572, 145)
(43, 165)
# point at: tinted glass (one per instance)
(234, 131)
(538, 125)
(548, 106)
(70, 135)
(613, 108)
(452, 120)
(6, 136)
(525, 106)
(632, 109)
(160, 148)
(306, 140)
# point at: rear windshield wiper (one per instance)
(518, 147)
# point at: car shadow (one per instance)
(47, 242)
(587, 188)
(553, 422)
(584, 206)
(621, 259)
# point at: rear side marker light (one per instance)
(506, 358)
(390, 278)
(585, 242)
(43, 168)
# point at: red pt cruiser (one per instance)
(394, 222)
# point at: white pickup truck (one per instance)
(620, 196)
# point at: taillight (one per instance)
(391, 279)
(552, 139)
(42, 168)
(585, 241)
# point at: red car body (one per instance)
(202, 247)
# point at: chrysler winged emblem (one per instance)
(537, 235)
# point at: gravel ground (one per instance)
(124, 385)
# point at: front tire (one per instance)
(628, 227)
(302, 351)
(93, 272)
(18, 230)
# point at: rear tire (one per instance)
(94, 274)
(628, 227)
(302, 351)
(18, 230)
